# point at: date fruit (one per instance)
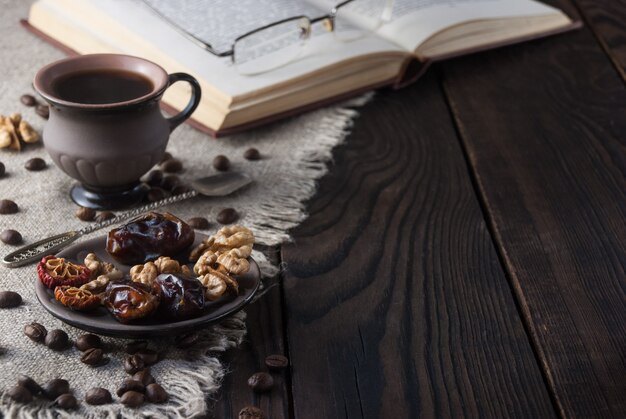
(149, 236)
(128, 301)
(182, 297)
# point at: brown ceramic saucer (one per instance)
(101, 322)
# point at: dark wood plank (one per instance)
(397, 306)
(544, 127)
(607, 20)
(265, 337)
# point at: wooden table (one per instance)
(466, 254)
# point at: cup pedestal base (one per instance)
(108, 199)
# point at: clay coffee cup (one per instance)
(105, 128)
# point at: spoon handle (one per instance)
(35, 251)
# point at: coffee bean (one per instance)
(144, 376)
(155, 194)
(261, 381)
(166, 156)
(172, 166)
(200, 223)
(57, 340)
(133, 363)
(103, 216)
(155, 393)
(30, 384)
(180, 189)
(252, 154)
(43, 111)
(66, 401)
(10, 299)
(28, 100)
(55, 387)
(170, 182)
(148, 356)
(221, 163)
(35, 332)
(135, 346)
(92, 356)
(130, 385)
(8, 207)
(88, 341)
(85, 214)
(11, 237)
(154, 178)
(276, 362)
(35, 164)
(97, 396)
(132, 399)
(20, 394)
(227, 216)
(2, 169)
(251, 412)
(185, 341)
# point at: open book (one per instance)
(327, 67)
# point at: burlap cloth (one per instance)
(294, 155)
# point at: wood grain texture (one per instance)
(544, 127)
(265, 337)
(607, 20)
(397, 305)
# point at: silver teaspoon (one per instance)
(221, 184)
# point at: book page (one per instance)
(411, 22)
(133, 27)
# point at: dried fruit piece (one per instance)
(128, 301)
(55, 271)
(76, 298)
(181, 297)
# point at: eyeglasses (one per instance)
(279, 43)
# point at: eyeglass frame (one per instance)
(231, 53)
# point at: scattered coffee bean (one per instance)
(227, 216)
(30, 384)
(135, 346)
(8, 207)
(130, 385)
(35, 164)
(155, 194)
(97, 396)
(66, 401)
(186, 341)
(92, 356)
(261, 381)
(166, 156)
(57, 340)
(133, 363)
(200, 223)
(20, 394)
(11, 237)
(148, 356)
(251, 412)
(276, 362)
(35, 332)
(2, 169)
(155, 393)
(88, 341)
(103, 216)
(172, 166)
(179, 189)
(221, 163)
(154, 178)
(43, 111)
(252, 154)
(85, 214)
(132, 399)
(28, 100)
(144, 376)
(55, 387)
(10, 299)
(170, 182)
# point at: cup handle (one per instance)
(196, 93)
